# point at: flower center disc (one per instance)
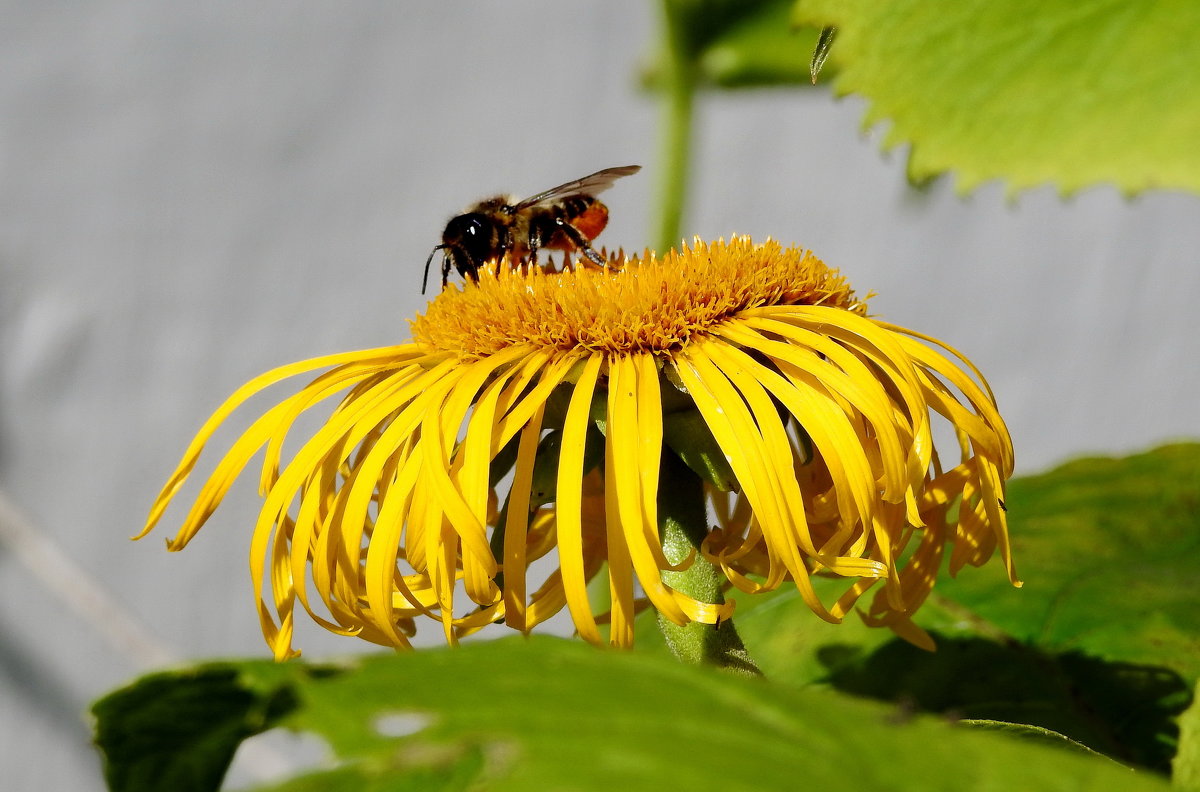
(637, 303)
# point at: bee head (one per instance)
(468, 241)
(472, 236)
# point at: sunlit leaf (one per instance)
(556, 714)
(1101, 644)
(1029, 91)
(1109, 549)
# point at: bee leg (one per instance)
(446, 261)
(534, 242)
(580, 241)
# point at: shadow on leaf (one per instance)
(1121, 710)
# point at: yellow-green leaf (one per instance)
(1186, 768)
(1028, 91)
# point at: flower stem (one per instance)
(683, 522)
(675, 143)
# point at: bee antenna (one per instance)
(425, 278)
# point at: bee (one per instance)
(566, 217)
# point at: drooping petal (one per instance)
(516, 529)
(391, 511)
(569, 506)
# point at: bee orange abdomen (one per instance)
(592, 221)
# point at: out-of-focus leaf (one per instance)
(1186, 767)
(178, 730)
(555, 714)
(767, 48)
(1028, 91)
(743, 43)
(452, 772)
(699, 23)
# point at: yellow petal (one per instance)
(516, 528)
(569, 504)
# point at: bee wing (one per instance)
(589, 185)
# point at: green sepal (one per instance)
(544, 486)
(503, 462)
(686, 433)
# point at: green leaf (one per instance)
(1025, 732)
(742, 43)
(178, 730)
(1121, 710)
(549, 713)
(764, 48)
(1109, 550)
(1101, 644)
(444, 774)
(1187, 763)
(1028, 91)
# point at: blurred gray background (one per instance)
(192, 193)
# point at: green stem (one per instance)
(683, 522)
(675, 143)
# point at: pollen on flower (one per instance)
(645, 303)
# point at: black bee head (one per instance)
(470, 240)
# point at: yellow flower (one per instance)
(810, 422)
